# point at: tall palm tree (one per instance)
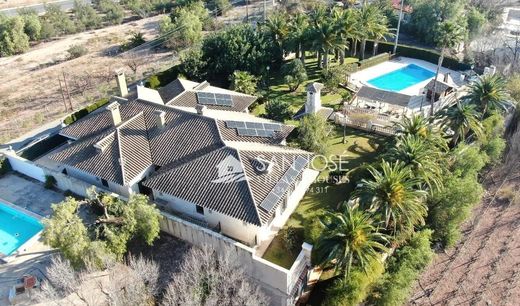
(489, 92)
(369, 22)
(347, 24)
(420, 126)
(350, 238)
(279, 29)
(449, 35)
(298, 28)
(462, 119)
(423, 159)
(379, 32)
(392, 193)
(327, 39)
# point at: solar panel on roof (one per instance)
(283, 184)
(254, 128)
(210, 98)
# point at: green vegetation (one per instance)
(50, 181)
(313, 133)
(76, 51)
(294, 74)
(278, 110)
(85, 111)
(244, 82)
(5, 166)
(115, 224)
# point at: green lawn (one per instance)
(279, 90)
(360, 147)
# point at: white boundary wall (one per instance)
(24, 166)
(278, 282)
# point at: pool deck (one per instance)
(33, 197)
(362, 77)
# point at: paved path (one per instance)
(65, 5)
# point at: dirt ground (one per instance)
(16, 3)
(30, 92)
(484, 268)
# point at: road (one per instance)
(65, 5)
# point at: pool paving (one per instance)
(28, 194)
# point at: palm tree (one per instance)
(350, 238)
(298, 28)
(279, 28)
(347, 24)
(449, 35)
(420, 126)
(369, 18)
(392, 193)
(327, 39)
(489, 92)
(461, 120)
(423, 159)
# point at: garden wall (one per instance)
(24, 166)
(279, 283)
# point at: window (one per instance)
(200, 209)
(65, 171)
(104, 182)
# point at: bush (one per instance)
(5, 166)
(374, 60)
(332, 77)
(354, 289)
(154, 82)
(85, 111)
(114, 12)
(292, 237)
(50, 182)
(76, 51)
(403, 269)
(294, 74)
(278, 110)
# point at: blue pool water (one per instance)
(402, 78)
(15, 229)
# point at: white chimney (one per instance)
(121, 82)
(313, 103)
(200, 109)
(160, 118)
(114, 111)
(99, 147)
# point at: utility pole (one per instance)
(67, 89)
(265, 10)
(247, 10)
(63, 95)
(399, 26)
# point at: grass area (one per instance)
(280, 91)
(360, 147)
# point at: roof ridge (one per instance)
(121, 159)
(250, 191)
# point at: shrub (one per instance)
(294, 74)
(403, 269)
(278, 110)
(154, 82)
(76, 51)
(313, 133)
(374, 60)
(50, 181)
(354, 289)
(85, 111)
(332, 77)
(5, 166)
(292, 237)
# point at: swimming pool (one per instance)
(16, 228)
(402, 78)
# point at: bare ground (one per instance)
(484, 268)
(30, 91)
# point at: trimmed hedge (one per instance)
(374, 60)
(85, 111)
(423, 54)
(163, 78)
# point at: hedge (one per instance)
(85, 111)
(163, 78)
(423, 54)
(374, 60)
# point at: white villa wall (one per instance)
(273, 279)
(96, 181)
(229, 226)
(24, 166)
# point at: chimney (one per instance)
(121, 82)
(100, 148)
(114, 111)
(313, 103)
(160, 118)
(200, 109)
